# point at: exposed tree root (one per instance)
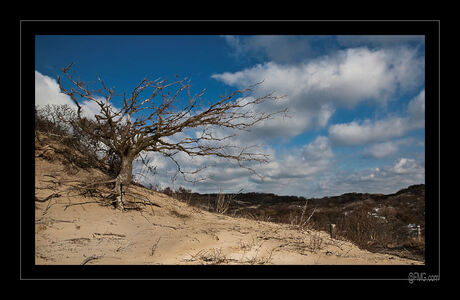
(109, 196)
(47, 198)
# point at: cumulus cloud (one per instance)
(364, 132)
(47, 91)
(286, 169)
(359, 133)
(416, 110)
(405, 166)
(390, 148)
(315, 88)
(333, 180)
(386, 179)
(346, 77)
(319, 151)
(382, 149)
(298, 164)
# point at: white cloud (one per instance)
(359, 133)
(318, 151)
(405, 165)
(367, 131)
(276, 48)
(346, 77)
(386, 179)
(47, 91)
(305, 162)
(324, 115)
(90, 109)
(315, 88)
(416, 110)
(383, 149)
(237, 45)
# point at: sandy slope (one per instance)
(174, 233)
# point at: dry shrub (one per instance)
(365, 229)
(183, 194)
(222, 203)
(81, 150)
(168, 191)
(315, 243)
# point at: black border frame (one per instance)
(29, 28)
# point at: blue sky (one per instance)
(356, 103)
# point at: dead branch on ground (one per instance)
(94, 257)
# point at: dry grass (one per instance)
(250, 254)
(213, 256)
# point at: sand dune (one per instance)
(172, 233)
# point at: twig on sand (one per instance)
(45, 211)
(81, 203)
(90, 259)
(167, 226)
(99, 182)
(101, 235)
(124, 248)
(154, 246)
(50, 220)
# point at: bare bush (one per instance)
(365, 229)
(315, 242)
(222, 203)
(304, 218)
(184, 194)
(55, 119)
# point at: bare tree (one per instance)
(151, 115)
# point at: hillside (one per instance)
(388, 222)
(75, 224)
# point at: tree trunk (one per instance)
(123, 179)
